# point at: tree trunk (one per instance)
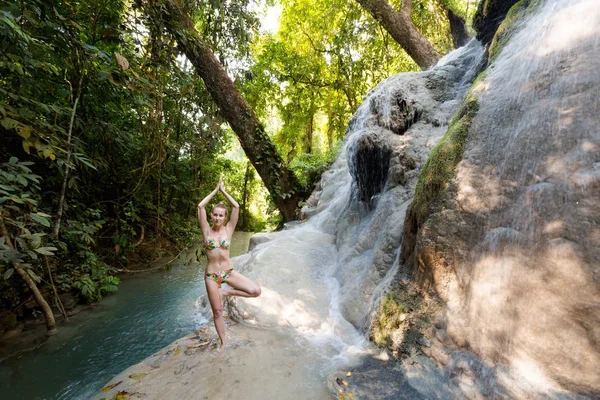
(245, 197)
(459, 33)
(39, 298)
(159, 173)
(63, 189)
(278, 179)
(309, 133)
(329, 122)
(400, 26)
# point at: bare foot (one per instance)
(222, 348)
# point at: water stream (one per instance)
(149, 311)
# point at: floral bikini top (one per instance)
(212, 244)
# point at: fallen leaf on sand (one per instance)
(341, 396)
(349, 374)
(177, 351)
(107, 388)
(138, 376)
(344, 382)
(123, 395)
(194, 346)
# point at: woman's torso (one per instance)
(217, 245)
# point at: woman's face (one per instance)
(218, 216)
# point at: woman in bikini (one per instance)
(220, 267)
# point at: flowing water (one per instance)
(146, 314)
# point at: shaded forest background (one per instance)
(110, 137)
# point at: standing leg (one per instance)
(214, 297)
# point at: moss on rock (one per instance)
(390, 316)
(404, 315)
(439, 168)
(490, 13)
(516, 13)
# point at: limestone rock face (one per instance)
(513, 243)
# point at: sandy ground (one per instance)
(258, 364)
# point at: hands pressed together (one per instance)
(220, 187)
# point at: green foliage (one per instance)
(94, 278)
(26, 228)
(308, 78)
(23, 242)
(309, 167)
(82, 230)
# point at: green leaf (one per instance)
(33, 275)
(47, 251)
(21, 243)
(22, 180)
(39, 219)
(79, 157)
(9, 123)
(8, 273)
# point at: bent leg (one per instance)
(242, 286)
(214, 297)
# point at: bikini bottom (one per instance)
(221, 276)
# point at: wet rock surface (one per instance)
(372, 160)
(373, 379)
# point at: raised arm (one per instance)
(202, 218)
(235, 209)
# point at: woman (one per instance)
(220, 267)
